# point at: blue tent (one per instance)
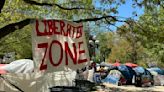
(139, 70)
(143, 77)
(113, 77)
(158, 70)
(127, 72)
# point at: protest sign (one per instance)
(59, 45)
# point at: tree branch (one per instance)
(13, 26)
(100, 18)
(19, 25)
(48, 4)
(2, 2)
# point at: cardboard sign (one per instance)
(59, 45)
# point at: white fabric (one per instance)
(20, 73)
(50, 47)
(36, 82)
(90, 75)
(20, 66)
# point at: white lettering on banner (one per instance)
(58, 44)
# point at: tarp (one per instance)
(139, 69)
(131, 65)
(19, 66)
(113, 77)
(21, 75)
(156, 69)
(154, 73)
(35, 82)
(127, 72)
(116, 64)
(19, 82)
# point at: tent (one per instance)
(113, 77)
(143, 77)
(131, 65)
(106, 64)
(127, 72)
(158, 70)
(158, 80)
(21, 77)
(158, 77)
(139, 70)
(116, 64)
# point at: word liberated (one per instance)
(64, 29)
(57, 44)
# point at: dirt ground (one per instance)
(130, 88)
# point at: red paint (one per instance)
(79, 32)
(38, 31)
(69, 27)
(50, 26)
(81, 52)
(43, 66)
(68, 51)
(62, 25)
